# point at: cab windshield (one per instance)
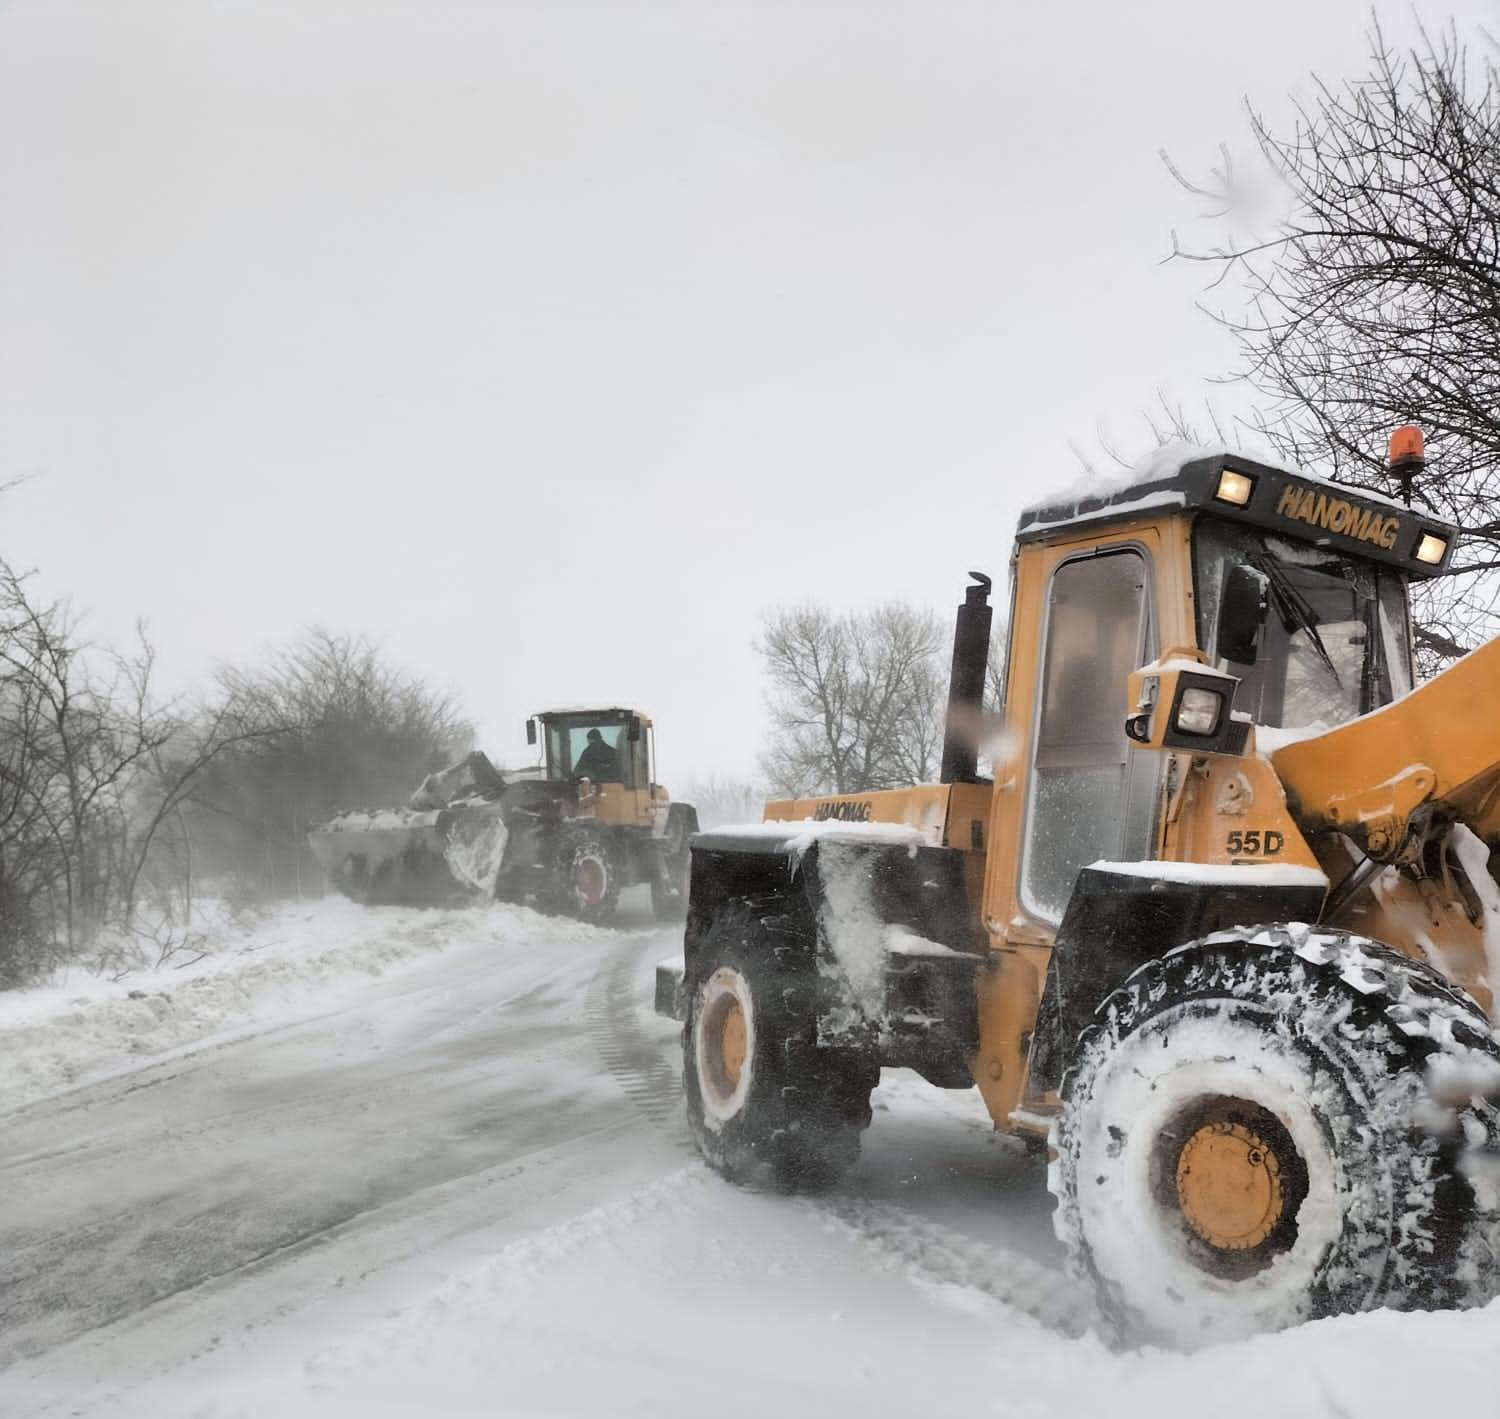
(584, 746)
(1336, 640)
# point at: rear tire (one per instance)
(1247, 1140)
(768, 1106)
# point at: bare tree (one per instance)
(721, 801)
(995, 667)
(75, 730)
(91, 769)
(327, 724)
(1376, 301)
(856, 700)
(160, 847)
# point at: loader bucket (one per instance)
(389, 859)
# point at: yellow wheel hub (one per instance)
(732, 1043)
(1229, 1186)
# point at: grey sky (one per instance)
(551, 343)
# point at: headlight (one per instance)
(1198, 711)
(1234, 487)
(1431, 549)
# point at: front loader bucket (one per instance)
(1440, 742)
(388, 859)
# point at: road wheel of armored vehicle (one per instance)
(589, 874)
(1248, 1139)
(767, 1104)
(669, 893)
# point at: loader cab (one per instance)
(608, 746)
(1286, 592)
(1294, 587)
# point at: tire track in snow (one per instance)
(901, 1239)
(628, 1052)
(931, 1252)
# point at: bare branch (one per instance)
(1376, 300)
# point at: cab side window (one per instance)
(1091, 798)
(638, 775)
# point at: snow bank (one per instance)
(81, 1026)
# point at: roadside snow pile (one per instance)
(54, 1036)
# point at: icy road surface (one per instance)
(465, 1187)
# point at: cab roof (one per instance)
(604, 713)
(1283, 500)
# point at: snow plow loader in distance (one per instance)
(1223, 932)
(568, 835)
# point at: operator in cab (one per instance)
(598, 761)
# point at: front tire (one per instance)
(768, 1106)
(1247, 1140)
(589, 876)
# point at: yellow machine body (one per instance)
(619, 807)
(557, 834)
(630, 800)
(1333, 803)
(952, 815)
(1220, 929)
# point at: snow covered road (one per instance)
(466, 1187)
(125, 1192)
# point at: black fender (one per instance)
(926, 1016)
(920, 888)
(1116, 921)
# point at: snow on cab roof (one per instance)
(796, 835)
(585, 709)
(1160, 464)
(1152, 481)
(1280, 496)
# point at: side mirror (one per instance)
(1243, 607)
(531, 731)
(634, 732)
(1182, 704)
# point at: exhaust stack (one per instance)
(971, 655)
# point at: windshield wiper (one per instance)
(1296, 611)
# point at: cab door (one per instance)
(1090, 797)
(1086, 613)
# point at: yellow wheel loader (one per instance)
(1222, 931)
(568, 835)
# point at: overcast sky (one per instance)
(551, 343)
